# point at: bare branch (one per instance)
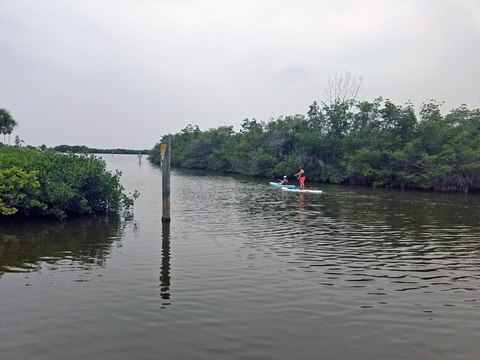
(343, 87)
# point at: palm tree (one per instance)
(10, 128)
(7, 124)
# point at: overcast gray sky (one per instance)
(121, 73)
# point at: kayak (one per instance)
(282, 186)
(303, 191)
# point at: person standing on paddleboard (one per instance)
(301, 177)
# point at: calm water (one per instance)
(245, 271)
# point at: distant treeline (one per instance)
(85, 149)
(372, 143)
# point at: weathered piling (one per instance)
(166, 181)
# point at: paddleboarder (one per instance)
(301, 177)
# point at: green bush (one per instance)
(18, 190)
(39, 183)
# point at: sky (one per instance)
(123, 73)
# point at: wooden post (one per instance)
(166, 184)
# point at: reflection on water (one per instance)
(85, 242)
(384, 242)
(165, 267)
(301, 201)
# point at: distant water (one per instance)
(246, 271)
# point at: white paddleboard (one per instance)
(303, 191)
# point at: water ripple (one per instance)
(245, 271)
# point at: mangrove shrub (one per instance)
(36, 183)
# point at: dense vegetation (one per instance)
(37, 183)
(79, 149)
(375, 143)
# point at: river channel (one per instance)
(246, 271)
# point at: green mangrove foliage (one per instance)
(372, 143)
(36, 183)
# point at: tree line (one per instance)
(8, 124)
(372, 143)
(85, 149)
(40, 182)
